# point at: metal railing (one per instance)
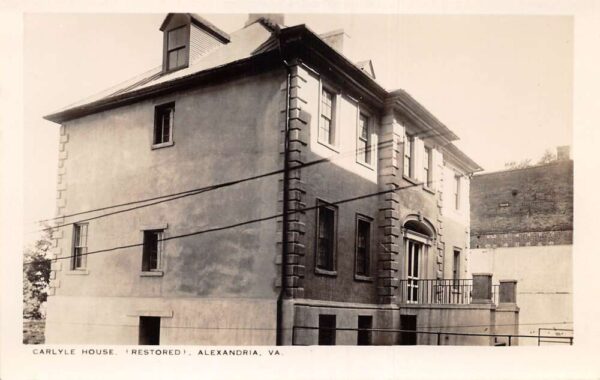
(440, 291)
(417, 337)
(554, 335)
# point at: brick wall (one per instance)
(523, 207)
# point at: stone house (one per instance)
(263, 189)
(522, 229)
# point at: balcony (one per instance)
(454, 291)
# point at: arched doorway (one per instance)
(419, 236)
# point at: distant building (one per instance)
(343, 207)
(522, 229)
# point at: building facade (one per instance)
(260, 188)
(522, 229)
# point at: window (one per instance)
(364, 139)
(163, 123)
(149, 331)
(80, 233)
(413, 253)
(327, 120)
(151, 250)
(408, 154)
(326, 330)
(176, 48)
(363, 244)
(457, 192)
(325, 237)
(456, 270)
(427, 167)
(365, 324)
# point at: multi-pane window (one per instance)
(427, 167)
(80, 234)
(163, 123)
(151, 250)
(364, 139)
(408, 155)
(327, 325)
(457, 192)
(176, 48)
(325, 237)
(327, 120)
(363, 240)
(456, 269)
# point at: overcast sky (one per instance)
(503, 84)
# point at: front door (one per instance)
(414, 254)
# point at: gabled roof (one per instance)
(259, 39)
(244, 44)
(203, 24)
(367, 67)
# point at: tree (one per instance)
(36, 276)
(547, 157)
(520, 165)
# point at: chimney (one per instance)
(563, 153)
(273, 18)
(335, 39)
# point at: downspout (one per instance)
(284, 238)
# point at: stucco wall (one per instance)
(544, 283)
(221, 133)
(340, 179)
(197, 321)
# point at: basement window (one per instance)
(365, 324)
(326, 330)
(149, 331)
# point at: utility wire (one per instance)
(187, 193)
(221, 228)
(383, 144)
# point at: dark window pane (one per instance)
(149, 331)
(176, 38)
(362, 247)
(150, 250)
(326, 330)
(326, 238)
(365, 322)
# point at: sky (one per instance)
(503, 84)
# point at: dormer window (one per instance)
(187, 37)
(177, 48)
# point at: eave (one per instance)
(406, 105)
(247, 66)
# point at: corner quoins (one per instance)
(61, 204)
(389, 217)
(296, 222)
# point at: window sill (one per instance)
(411, 180)
(361, 278)
(154, 273)
(366, 165)
(428, 189)
(77, 272)
(325, 272)
(163, 145)
(328, 146)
